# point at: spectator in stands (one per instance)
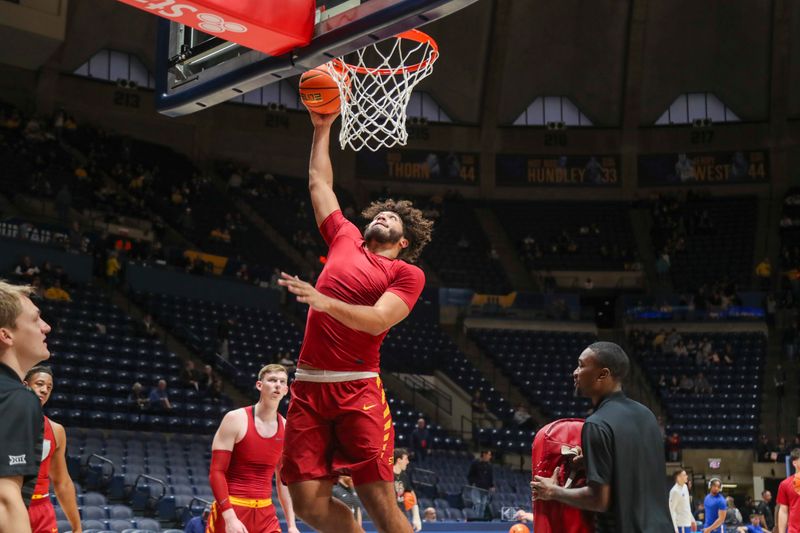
(764, 273)
(479, 409)
(481, 477)
(207, 379)
(198, 523)
(671, 341)
(287, 361)
(57, 293)
(345, 492)
(522, 418)
(421, 440)
(429, 515)
(685, 384)
(159, 397)
(26, 270)
(701, 384)
(404, 490)
(733, 518)
(147, 328)
(763, 448)
(674, 447)
(658, 340)
(38, 289)
(112, 268)
(223, 337)
(215, 392)
(137, 399)
(189, 375)
(755, 526)
(766, 510)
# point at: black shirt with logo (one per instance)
(623, 448)
(21, 431)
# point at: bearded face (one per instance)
(385, 228)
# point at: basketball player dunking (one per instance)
(339, 421)
(245, 455)
(53, 467)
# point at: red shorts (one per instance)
(43, 516)
(255, 519)
(338, 428)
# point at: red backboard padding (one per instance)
(270, 26)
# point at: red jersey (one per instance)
(356, 276)
(788, 496)
(253, 461)
(48, 449)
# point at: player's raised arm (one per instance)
(320, 170)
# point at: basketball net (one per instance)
(374, 98)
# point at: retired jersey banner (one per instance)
(418, 166)
(710, 168)
(557, 171)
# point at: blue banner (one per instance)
(710, 168)
(557, 170)
(418, 166)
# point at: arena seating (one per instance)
(729, 416)
(460, 251)
(539, 364)
(96, 358)
(600, 232)
(790, 230)
(424, 347)
(718, 236)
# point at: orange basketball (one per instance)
(519, 528)
(319, 92)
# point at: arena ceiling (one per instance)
(499, 55)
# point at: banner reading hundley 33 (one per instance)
(557, 170)
(419, 166)
(706, 168)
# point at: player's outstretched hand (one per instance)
(305, 292)
(322, 121)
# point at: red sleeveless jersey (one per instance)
(48, 449)
(253, 461)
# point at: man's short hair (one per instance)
(38, 369)
(677, 473)
(795, 454)
(611, 356)
(10, 304)
(399, 453)
(713, 480)
(269, 369)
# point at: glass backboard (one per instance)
(197, 70)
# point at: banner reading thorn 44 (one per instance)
(709, 168)
(418, 166)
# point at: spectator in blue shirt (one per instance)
(754, 526)
(159, 399)
(198, 523)
(715, 506)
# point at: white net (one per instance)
(375, 87)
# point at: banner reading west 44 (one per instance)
(418, 166)
(707, 168)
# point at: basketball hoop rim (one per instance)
(412, 35)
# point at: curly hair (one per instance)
(416, 228)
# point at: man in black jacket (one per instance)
(623, 452)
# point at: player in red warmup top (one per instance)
(245, 454)
(339, 421)
(53, 467)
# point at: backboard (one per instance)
(196, 70)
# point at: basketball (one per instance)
(318, 91)
(519, 528)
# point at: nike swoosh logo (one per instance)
(368, 407)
